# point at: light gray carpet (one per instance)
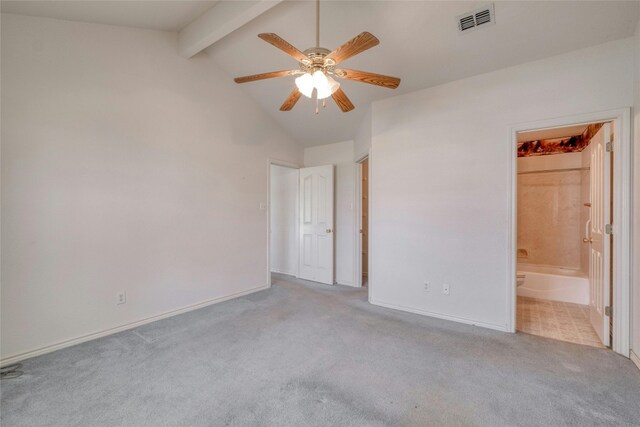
(307, 354)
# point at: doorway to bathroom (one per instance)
(570, 192)
(563, 253)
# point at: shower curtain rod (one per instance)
(555, 170)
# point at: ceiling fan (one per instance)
(317, 67)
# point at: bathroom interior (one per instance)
(555, 296)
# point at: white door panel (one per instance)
(599, 241)
(316, 224)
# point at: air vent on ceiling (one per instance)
(476, 18)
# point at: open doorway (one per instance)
(283, 219)
(615, 278)
(564, 241)
(300, 236)
(364, 220)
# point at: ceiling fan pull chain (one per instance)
(324, 103)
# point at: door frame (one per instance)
(277, 162)
(621, 218)
(357, 280)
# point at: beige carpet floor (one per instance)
(306, 354)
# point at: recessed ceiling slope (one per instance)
(420, 41)
(152, 15)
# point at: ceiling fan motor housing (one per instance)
(318, 59)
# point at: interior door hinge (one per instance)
(609, 147)
(608, 311)
(608, 229)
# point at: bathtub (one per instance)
(554, 283)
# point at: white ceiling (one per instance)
(562, 132)
(419, 42)
(152, 15)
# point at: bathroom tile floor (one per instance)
(555, 319)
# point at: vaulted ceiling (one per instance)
(167, 15)
(419, 42)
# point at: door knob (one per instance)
(329, 230)
(589, 240)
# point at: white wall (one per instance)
(284, 220)
(440, 177)
(124, 167)
(362, 140)
(635, 292)
(341, 155)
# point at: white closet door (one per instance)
(316, 224)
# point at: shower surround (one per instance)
(550, 205)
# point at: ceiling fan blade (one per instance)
(263, 76)
(290, 102)
(371, 78)
(343, 102)
(359, 43)
(284, 46)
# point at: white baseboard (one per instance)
(495, 327)
(288, 273)
(346, 283)
(95, 335)
(635, 358)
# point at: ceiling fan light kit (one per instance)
(324, 85)
(317, 69)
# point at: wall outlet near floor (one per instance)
(121, 297)
(445, 289)
(427, 286)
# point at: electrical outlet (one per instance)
(427, 286)
(121, 297)
(445, 289)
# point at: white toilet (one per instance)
(520, 278)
